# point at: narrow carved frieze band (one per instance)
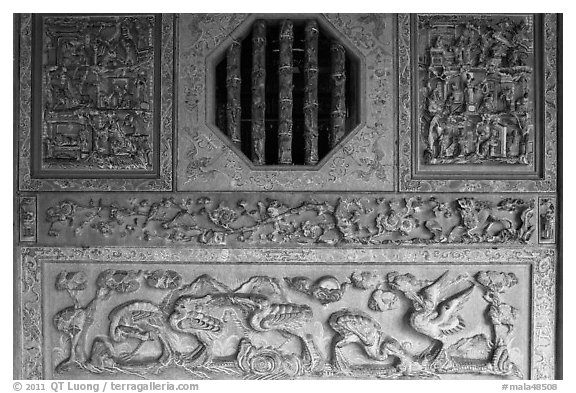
(325, 220)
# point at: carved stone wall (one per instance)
(423, 245)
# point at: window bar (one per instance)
(311, 94)
(285, 96)
(259, 93)
(338, 88)
(233, 82)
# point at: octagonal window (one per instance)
(287, 92)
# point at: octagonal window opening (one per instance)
(287, 92)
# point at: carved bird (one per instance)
(355, 326)
(434, 317)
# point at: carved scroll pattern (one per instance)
(543, 300)
(408, 183)
(364, 162)
(31, 314)
(322, 221)
(27, 182)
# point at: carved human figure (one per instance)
(483, 133)
(548, 218)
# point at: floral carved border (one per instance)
(164, 181)
(542, 261)
(406, 166)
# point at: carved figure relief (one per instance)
(547, 213)
(264, 334)
(324, 220)
(98, 105)
(27, 219)
(475, 77)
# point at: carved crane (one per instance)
(355, 326)
(432, 316)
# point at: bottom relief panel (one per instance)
(238, 321)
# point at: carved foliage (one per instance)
(324, 220)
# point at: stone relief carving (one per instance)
(98, 92)
(323, 220)
(28, 218)
(475, 77)
(547, 211)
(441, 149)
(111, 285)
(179, 331)
(105, 105)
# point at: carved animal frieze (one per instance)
(324, 220)
(204, 328)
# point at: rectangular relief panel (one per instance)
(354, 94)
(477, 96)
(164, 313)
(96, 102)
(281, 220)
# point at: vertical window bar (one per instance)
(259, 93)
(285, 94)
(311, 94)
(233, 82)
(338, 89)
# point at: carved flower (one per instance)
(496, 281)
(64, 211)
(70, 320)
(121, 281)
(103, 227)
(223, 216)
(71, 281)
(163, 279)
